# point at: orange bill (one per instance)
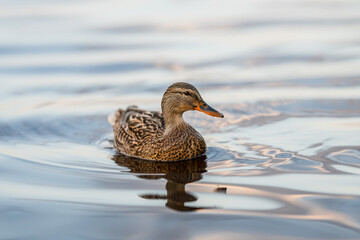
(203, 107)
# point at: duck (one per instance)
(162, 136)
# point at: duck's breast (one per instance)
(181, 143)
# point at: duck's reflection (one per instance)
(177, 174)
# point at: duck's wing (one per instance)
(134, 125)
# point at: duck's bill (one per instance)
(208, 110)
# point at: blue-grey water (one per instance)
(284, 163)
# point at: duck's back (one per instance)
(141, 133)
(133, 126)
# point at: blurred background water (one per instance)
(284, 163)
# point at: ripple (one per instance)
(79, 69)
(69, 48)
(346, 156)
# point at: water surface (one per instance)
(284, 163)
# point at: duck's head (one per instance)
(181, 97)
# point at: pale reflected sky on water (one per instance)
(282, 164)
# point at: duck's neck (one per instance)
(173, 120)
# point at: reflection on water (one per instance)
(284, 163)
(177, 175)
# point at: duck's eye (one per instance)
(187, 93)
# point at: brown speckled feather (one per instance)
(134, 125)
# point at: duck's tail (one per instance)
(116, 117)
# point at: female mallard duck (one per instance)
(166, 136)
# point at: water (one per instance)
(284, 163)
